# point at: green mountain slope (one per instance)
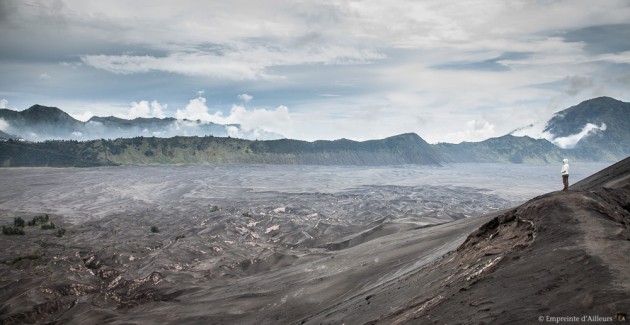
(506, 149)
(402, 149)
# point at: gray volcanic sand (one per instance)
(237, 244)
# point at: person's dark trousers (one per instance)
(565, 180)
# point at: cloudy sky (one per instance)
(446, 70)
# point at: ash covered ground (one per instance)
(236, 244)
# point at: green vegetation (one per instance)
(403, 149)
(43, 222)
(12, 230)
(214, 208)
(31, 256)
(50, 225)
(155, 229)
(178, 237)
(247, 214)
(18, 222)
(39, 220)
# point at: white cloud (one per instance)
(571, 141)
(233, 131)
(71, 65)
(245, 97)
(475, 130)
(197, 110)
(4, 126)
(243, 62)
(272, 120)
(534, 130)
(623, 57)
(83, 116)
(3, 103)
(144, 109)
(44, 76)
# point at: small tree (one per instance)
(18, 222)
(12, 230)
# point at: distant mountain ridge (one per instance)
(610, 122)
(41, 123)
(401, 149)
(597, 129)
(608, 141)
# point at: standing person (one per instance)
(565, 173)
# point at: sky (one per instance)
(449, 71)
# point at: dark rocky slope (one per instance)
(560, 254)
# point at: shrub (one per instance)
(155, 229)
(61, 232)
(12, 230)
(18, 222)
(50, 225)
(179, 237)
(38, 220)
(246, 214)
(214, 208)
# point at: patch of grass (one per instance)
(155, 229)
(178, 237)
(31, 256)
(12, 230)
(214, 208)
(247, 214)
(61, 232)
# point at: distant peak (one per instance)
(602, 99)
(38, 107)
(41, 113)
(409, 135)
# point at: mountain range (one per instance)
(40, 123)
(594, 130)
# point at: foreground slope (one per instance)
(560, 254)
